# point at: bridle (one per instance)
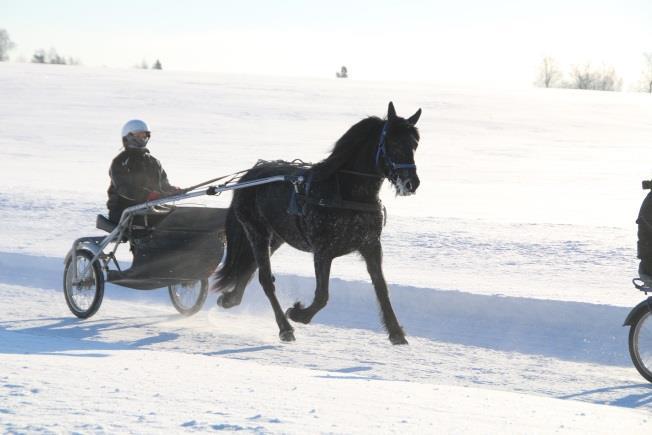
(301, 191)
(382, 153)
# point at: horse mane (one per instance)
(360, 138)
(360, 135)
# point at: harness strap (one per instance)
(370, 207)
(297, 203)
(381, 145)
(299, 223)
(362, 174)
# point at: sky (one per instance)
(485, 42)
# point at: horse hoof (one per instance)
(223, 301)
(287, 335)
(292, 314)
(398, 339)
(220, 301)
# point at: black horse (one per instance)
(331, 211)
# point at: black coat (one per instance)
(134, 174)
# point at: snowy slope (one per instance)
(142, 368)
(509, 268)
(537, 186)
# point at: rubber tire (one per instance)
(198, 304)
(99, 287)
(645, 372)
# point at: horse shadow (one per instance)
(565, 330)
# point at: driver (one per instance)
(136, 175)
(644, 245)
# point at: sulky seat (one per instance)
(104, 224)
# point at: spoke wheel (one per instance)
(83, 295)
(640, 345)
(188, 297)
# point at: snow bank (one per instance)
(149, 392)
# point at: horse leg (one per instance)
(322, 273)
(373, 256)
(234, 297)
(260, 244)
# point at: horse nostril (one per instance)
(408, 186)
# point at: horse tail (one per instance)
(239, 264)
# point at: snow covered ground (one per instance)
(509, 269)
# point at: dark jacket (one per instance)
(134, 174)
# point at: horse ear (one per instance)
(414, 118)
(391, 112)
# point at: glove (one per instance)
(152, 196)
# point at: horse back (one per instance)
(337, 231)
(266, 205)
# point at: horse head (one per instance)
(395, 154)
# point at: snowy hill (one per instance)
(509, 269)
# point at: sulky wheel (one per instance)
(640, 344)
(188, 297)
(83, 296)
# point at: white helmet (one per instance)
(134, 126)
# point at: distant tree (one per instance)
(55, 58)
(52, 57)
(157, 65)
(647, 72)
(585, 77)
(39, 56)
(6, 44)
(342, 73)
(549, 73)
(143, 65)
(581, 77)
(607, 80)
